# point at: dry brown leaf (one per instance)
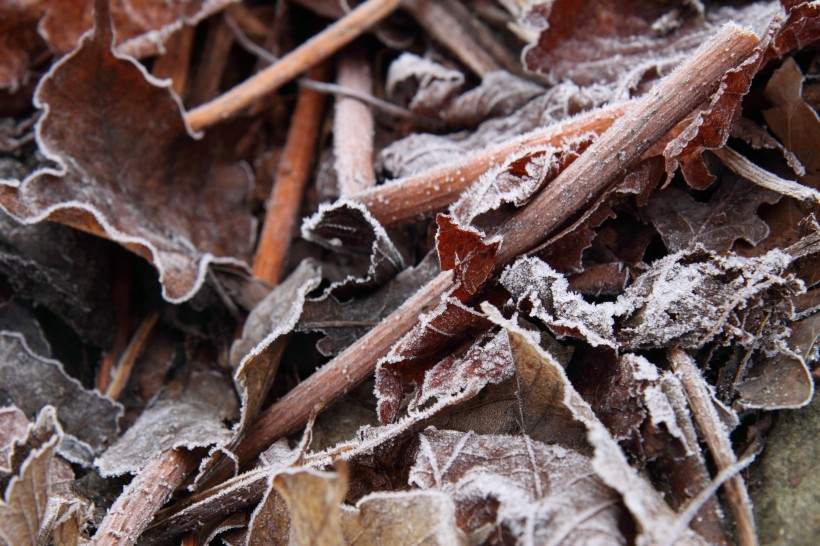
(793, 121)
(729, 215)
(145, 182)
(313, 498)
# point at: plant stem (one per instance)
(292, 174)
(306, 56)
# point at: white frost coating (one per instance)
(203, 260)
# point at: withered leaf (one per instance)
(313, 497)
(18, 42)
(793, 121)
(145, 182)
(31, 382)
(527, 489)
(348, 228)
(402, 517)
(500, 94)
(464, 250)
(32, 510)
(190, 416)
(425, 86)
(13, 426)
(729, 215)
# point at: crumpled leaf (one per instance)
(793, 121)
(729, 215)
(194, 417)
(36, 508)
(656, 521)
(424, 86)
(402, 517)
(624, 41)
(686, 299)
(711, 127)
(31, 382)
(313, 497)
(500, 94)
(345, 322)
(419, 152)
(346, 227)
(507, 485)
(63, 270)
(147, 183)
(13, 426)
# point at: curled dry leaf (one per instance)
(13, 426)
(729, 215)
(313, 497)
(31, 383)
(146, 183)
(189, 416)
(518, 487)
(424, 86)
(688, 298)
(500, 94)
(427, 518)
(37, 507)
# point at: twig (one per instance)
(121, 301)
(382, 105)
(717, 438)
(306, 56)
(353, 126)
(445, 27)
(129, 357)
(405, 199)
(213, 62)
(289, 184)
(147, 492)
(174, 63)
(763, 178)
(247, 44)
(454, 26)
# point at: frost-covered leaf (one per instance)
(425, 518)
(345, 322)
(793, 121)
(348, 228)
(508, 485)
(313, 498)
(465, 251)
(13, 426)
(189, 416)
(31, 382)
(63, 270)
(422, 85)
(687, 298)
(625, 41)
(36, 507)
(729, 215)
(146, 183)
(500, 94)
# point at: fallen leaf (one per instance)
(13, 426)
(189, 416)
(144, 184)
(32, 382)
(427, 518)
(728, 216)
(424, 86)
(500, 94)
(793, 121)
(313, 498)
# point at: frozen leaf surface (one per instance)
(729, 215)
(423, 85)
(31, 382)
(189, 418)
(146, 183)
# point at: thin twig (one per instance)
(129, 357)
(405, 199)
(306, 56)
(144, 496)
(247, 44)
(437, 17)
(289, 184)
(717, 438)
(353, 126)
(121, 301)
(174, 63)
(763, 178)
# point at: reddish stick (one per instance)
(307, 55)
(289, 184)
